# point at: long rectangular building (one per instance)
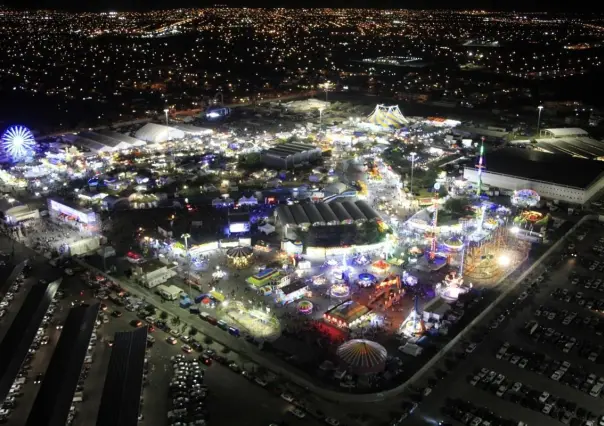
(53, 401)
(552, 176)
(120, 403)
(290, 154)
(20, 335)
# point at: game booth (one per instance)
(346, 314)
(264, 277)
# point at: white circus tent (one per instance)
(387, 116)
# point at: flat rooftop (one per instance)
(52, 404)
(120, 402)
(581, 147)
(553, 168)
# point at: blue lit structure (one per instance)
(18, 142)
(216, 112)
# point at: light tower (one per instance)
(434, 220)
(481, 166)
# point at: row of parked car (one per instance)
(559, 371)
(557, 408)
(10, 294)
(468, 413)
(187, 393)
(579, 298)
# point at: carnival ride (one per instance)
(305, 307)
(525, 198)
(18, 142)
(366, 279)
(339, 291)
(386, 293)
(414, 323)
(452, 286)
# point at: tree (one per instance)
(151, 309)
(457, 206)
(192, 331)
(176, 320)
(208, 340)
(163, 315)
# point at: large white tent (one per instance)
(158, 133)
(104, 141)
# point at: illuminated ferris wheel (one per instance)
(18, 142)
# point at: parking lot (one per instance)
(538, 358)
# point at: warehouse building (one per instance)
(290, 154)
(552, 176)
(303, 216)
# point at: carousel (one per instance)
(305, 307)
(339, 291)
(366, 279)
(240, 257)
(362, 356)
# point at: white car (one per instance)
(547, 408)
(523, 363)
(476, 421)
(471, 348)
(517, 386)
(287, 397)
(499, 380)
(515, 359)
(501, 391)
(297, 412)
(331, 421)
(557, 375)
(544, 397)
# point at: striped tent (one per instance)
(362, 356)
(387, 117)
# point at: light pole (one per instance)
(186, 237)
(326, 87)
(540, 108)
(166, 112)
(320, 117)
(413, 155)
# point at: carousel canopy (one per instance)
(235, 252)
(363, 356)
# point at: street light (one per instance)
(166, 111)
(413, 155)
(186, 237)
(326, 86)
(540, 107)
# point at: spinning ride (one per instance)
(525, 198)
(305, 307)
(18, 142)
(363, 356)
(339, 290)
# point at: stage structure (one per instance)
(387, 116)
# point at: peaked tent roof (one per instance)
(388, 116)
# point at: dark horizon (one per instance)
(531, 6)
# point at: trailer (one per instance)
(169, 292)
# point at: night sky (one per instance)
(144, 5)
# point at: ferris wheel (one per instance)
(18, 142)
